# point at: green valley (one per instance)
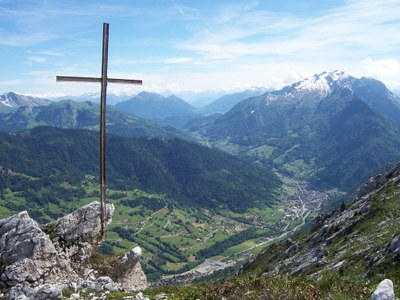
(175, 237)
(181, 202)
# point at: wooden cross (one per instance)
(103, 80)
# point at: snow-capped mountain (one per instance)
(112, 98)
(330, 128)
(316, 87)
(12, 101)
(322, 83)
(311, 91)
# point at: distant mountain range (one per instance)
(226, 102)
(18, 112)
(71, 114)
(112, 98)
(332, 129)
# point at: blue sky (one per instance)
(176, 46)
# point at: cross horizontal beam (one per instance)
(97, 79)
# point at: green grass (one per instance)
(264, 151)
(332, 286)
(238, 248)
(299, 169)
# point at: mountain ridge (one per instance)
(226, 102)
(287, 128)
(155, 106)
(72, 114)
(11, 101)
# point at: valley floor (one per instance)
(298, 203)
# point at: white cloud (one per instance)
(382, 67)
(25, 39)
(178, 60)
(36, 59)
(357, 27)
(11, 82)
(387, 70)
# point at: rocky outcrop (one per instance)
(394, 246)
(37, 263)
(28, 255)
(374, 184)
(77, 235)
(128, 271)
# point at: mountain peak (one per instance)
(155, 106)
(322, 82)
(12, 100)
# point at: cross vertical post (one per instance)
(103, 80)
(103, 188)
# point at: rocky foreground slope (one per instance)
(361, 242)
(363, 239)
(38, 263)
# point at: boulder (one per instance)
(48, 292)
(128, 271)
(384, 291)
(103, 283)
(371, 185)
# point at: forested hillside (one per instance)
(191, 173)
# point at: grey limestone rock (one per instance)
(43, 292)
(128, 271)
(101, 284)
(48, 292)
(371, 185)
(394, 245)
(78, 234)
(19, 292)
(27, 254)
(35, 265)
(384, 291)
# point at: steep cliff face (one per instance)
(37, 263)
(362, 240)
